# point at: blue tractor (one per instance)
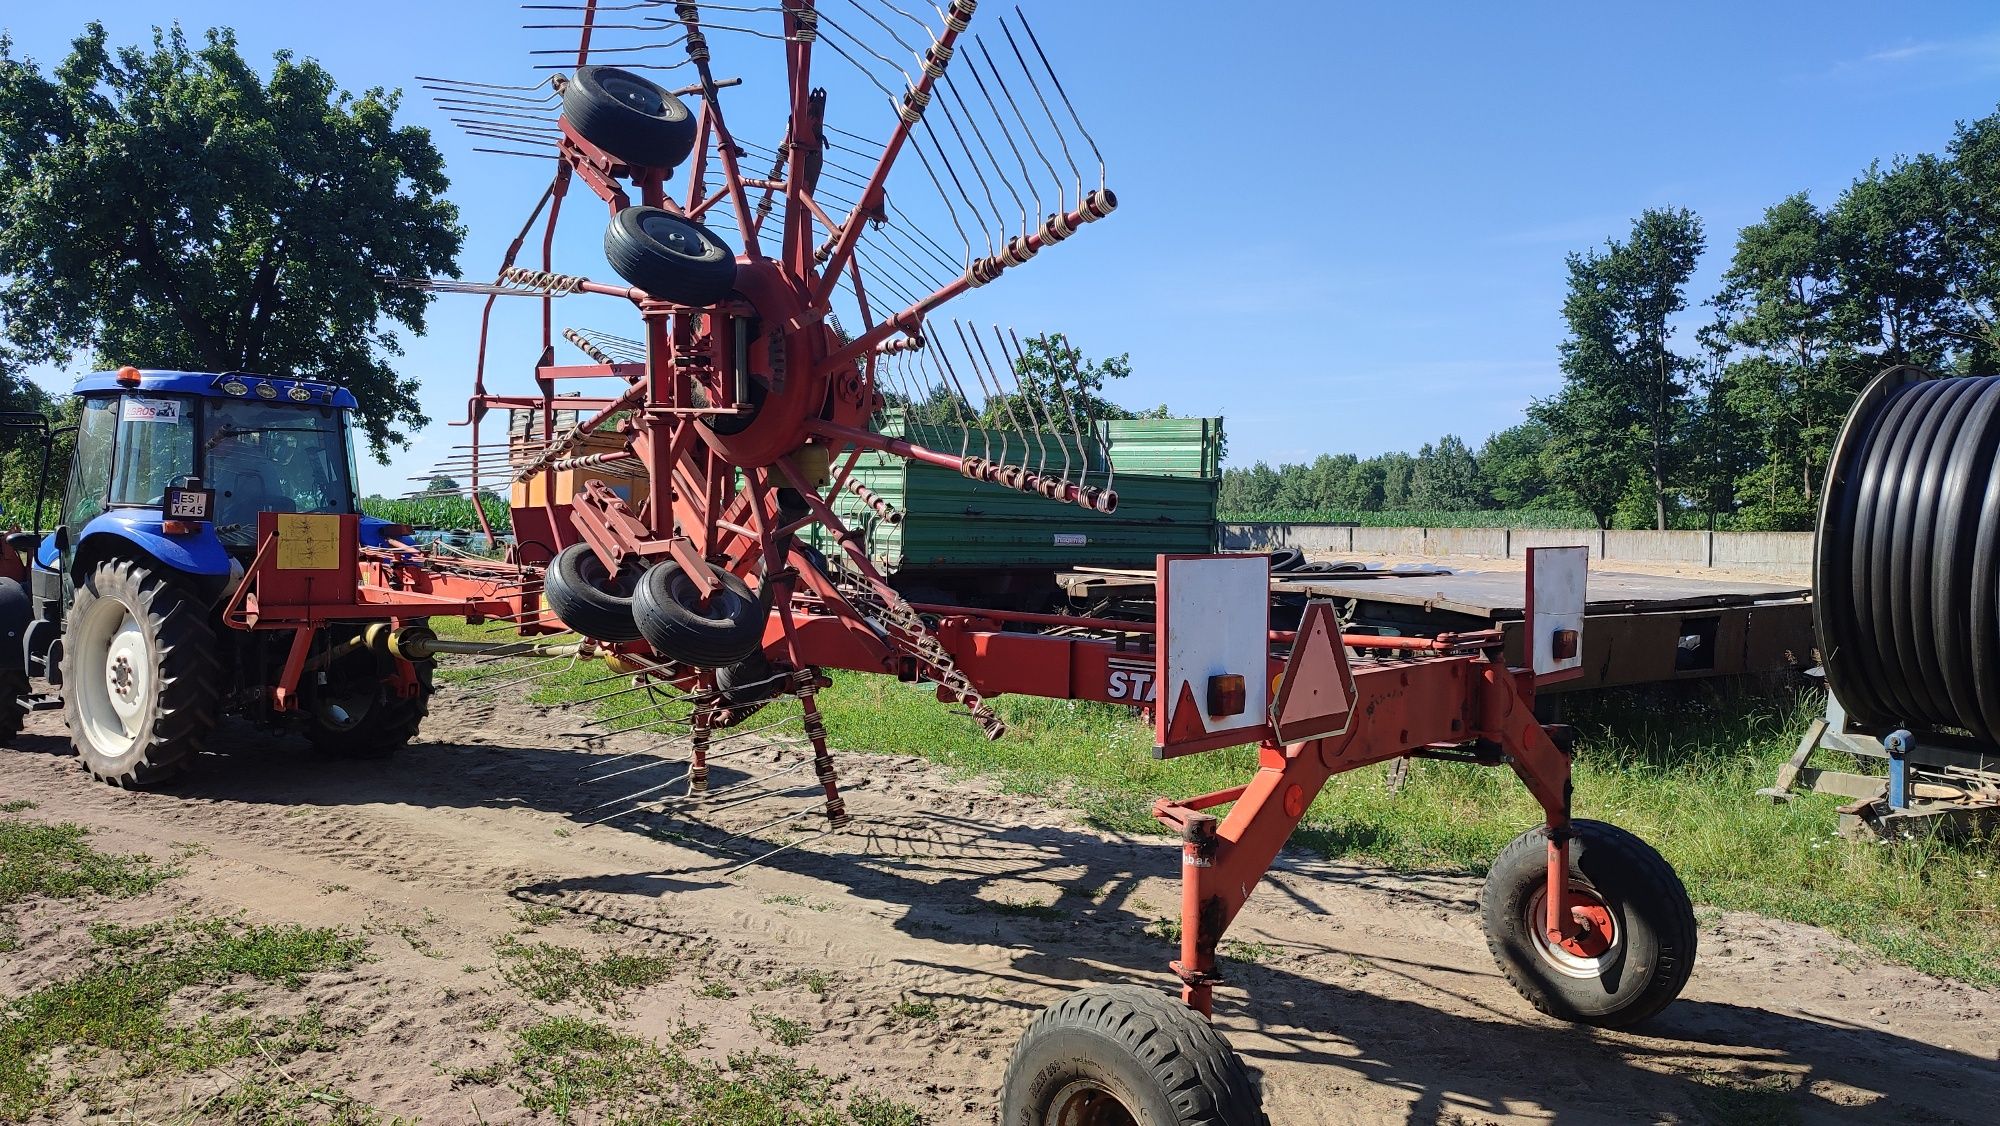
(122, 608)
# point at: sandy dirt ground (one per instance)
(1373, 1000)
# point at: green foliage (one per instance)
(1420, 517)
(453, 512)
(571, 1069)
(118, 1002)
(551, 973)
(1446, 477)
(42, 861)
(170, 207)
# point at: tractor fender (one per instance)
(15, 613)
(198, 554)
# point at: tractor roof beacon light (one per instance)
(128, 375)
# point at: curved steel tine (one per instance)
(1061, 396)
(1027, 401)
(985, 433)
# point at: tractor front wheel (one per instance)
(1124, 1056)
(1634, 949)
(139, 675)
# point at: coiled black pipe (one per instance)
(1906, 570)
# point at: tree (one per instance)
(1446, 477)
(1054, 383)
(1512, 466)
(1900, 265)
(1588, 454)
(1621, 372)
(1785, 310)
(170, 208)
(440, 483)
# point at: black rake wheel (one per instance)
(139, 675)
(672, 258)
(628, 116)
(1122, 1055)
(587, 599)
(1638, 953)
(672, 620)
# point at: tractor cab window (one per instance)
(90, 466)
(267, 457)
(155, 447)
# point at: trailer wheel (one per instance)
(628, 116)
(673, 621)
(1121, 1056)
(1639, 951)
(586, 599)
(139, 675)
(672, 258)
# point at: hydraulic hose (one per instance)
(1906, 569)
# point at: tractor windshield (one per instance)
(271, 457)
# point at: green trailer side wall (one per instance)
(952, 521)
(1168, 447)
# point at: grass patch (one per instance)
(1252, 953)
(566, 1067)
(782, 1030)
(552, 973)
(921, 1009)
(43, 861)
(118, 1004)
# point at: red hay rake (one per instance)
(666, 505)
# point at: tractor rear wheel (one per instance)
(139, 675)
(368, 721)
(1121, 1056)
(1638, 949)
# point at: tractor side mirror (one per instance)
(62, 538)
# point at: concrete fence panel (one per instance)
(1786, 553)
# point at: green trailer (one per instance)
(974, 543)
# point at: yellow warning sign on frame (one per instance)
(308, 542)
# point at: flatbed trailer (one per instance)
(1643, 628)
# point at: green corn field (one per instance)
(453, 513)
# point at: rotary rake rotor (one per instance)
(785, 293)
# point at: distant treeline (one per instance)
(1730, 425)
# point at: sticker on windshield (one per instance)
(152, 410)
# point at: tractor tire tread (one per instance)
(188, 670)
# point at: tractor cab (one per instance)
(174, 467)
(184, 462)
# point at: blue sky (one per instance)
(1341, 226)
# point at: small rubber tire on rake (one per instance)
(1122, 1055)
(125, 613)
(1612, 981)
(628, 116)
(672, 258)
(584, 596)
(670, 616)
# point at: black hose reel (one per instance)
(1906, 568)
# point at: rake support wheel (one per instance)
(585, 597)
(672, 258)
(670, 616)
(1121, 1055)
(1641, 948)
(628, 116)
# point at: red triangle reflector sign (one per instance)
(1316, 696)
